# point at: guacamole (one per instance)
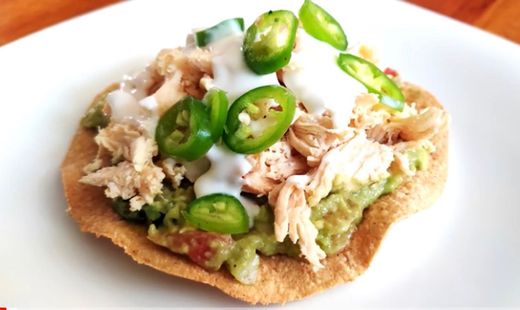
(335, 216)
(97, 116)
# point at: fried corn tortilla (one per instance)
(280, 278)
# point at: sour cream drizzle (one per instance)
(231, 74)
(225, 176)
(315, 78)
(230, 71)
(130, 104)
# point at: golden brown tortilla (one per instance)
(280, 279)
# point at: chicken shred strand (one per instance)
(126, 182)
(182, 69)
(174, 172)
(135, 177)
(387, 128)
(353, 164)
(271, 167)
(292, 217)
(117, 139)
(312, 136)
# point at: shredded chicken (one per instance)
(312, 136)
(424, 125)
(271, 167)
(402, 162)
(126, 182)
(135, 176)
(142, 151)
(353, 164)
(292, 217)
(189, 60)
(125, 141)
(169, 93)
(95, 165)
(136, 203)
(174, 172)
(117, 139)
(368, 113)
(387, 128)
(191, 63)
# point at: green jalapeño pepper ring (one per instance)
(219, 213)
(269, 41)
(321, 25)
(218, 105)
(259, 118)
(220, 30)
(375, 80)
(184, 131)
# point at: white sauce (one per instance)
(225, 176)
(196, 168)
(230, 71)
(130, 104)
(315, 78)
(149, 103)
(123, 106)
(231, 74)
(138, 84)
(126, 109)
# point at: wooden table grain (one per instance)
(21, 17)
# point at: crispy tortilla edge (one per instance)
(280, 279)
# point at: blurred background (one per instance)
(22, 17)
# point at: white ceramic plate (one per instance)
(462, 251)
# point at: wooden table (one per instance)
(21, 17)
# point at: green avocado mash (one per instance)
(336, 217)
(419, 159)
(96, 116)
(164, 211)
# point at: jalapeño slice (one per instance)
(375, 80)
(321, 25)
(220, 213)
(269, 41)
(217, 105)
(184, 131)
(219, 31)
(259, 118)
